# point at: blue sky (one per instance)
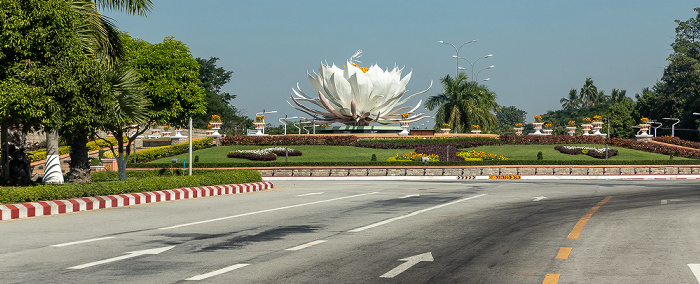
(541, 48)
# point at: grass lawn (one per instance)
(314, 153)
(529, 152)
(310, 153)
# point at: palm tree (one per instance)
(588, 92)
(463, 103)
(100, 40)
(618, 96)
(572, 102)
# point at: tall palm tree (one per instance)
(618, 96)
(572, 102)
(588, 92)
(463, 103)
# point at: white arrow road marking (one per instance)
(409, 262)
(410, 195)
(665, 201)
(695, 268)
(217, 272)
(127, 256)
(539, 198)
(314, 193)
(412, 214)
(306, 245)
(81, 242)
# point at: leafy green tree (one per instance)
(44, 72)
(677, 94)
(169, 90)
(507, 117)
(213, 78)
(463, 103)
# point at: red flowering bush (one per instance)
(678, 141)
(329, 140)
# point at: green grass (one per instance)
(529, 152)
(315, 153)
(310, 153)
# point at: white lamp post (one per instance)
(673, 129)
(472, 64)
(285, 122)
(457, 50)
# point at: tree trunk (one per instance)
(122, 160)
(4, 155)
(52, 171)
(79, 160)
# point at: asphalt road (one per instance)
(375, 232)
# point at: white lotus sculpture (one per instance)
(358, 96)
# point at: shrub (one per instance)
(678, 141)
(329, 140)
(167, 151)
(374, 158)
(590, 151)
(10, 195)
(267, 154)
(539, 156)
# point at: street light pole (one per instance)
(264, 112)
(457, 50)
(474, 77)
(673, 126)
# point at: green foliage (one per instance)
(507, 117)
(156, 180)
(218, 102)
(463, 103)
(677, 94)
(539, 156)
(168, 151)
(170, 76)
(374, 158)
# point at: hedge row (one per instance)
(92, 145)
(9, 195)
(418, 140)
(282, 164)
(625, 143)
(329, 140)
(456, 144)
(678, 141)
(166, 151)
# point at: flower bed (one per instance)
(267, 154)
(413, 156)
(480, 156)
(590, 151)
(441, 151)
(334, 140)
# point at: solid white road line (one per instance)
(81, 242)
(412, 214)
(695, 268)
(306, 245)
(410, 195)
(126, 256)
(217, 272)
(314, 193)
(265, 211)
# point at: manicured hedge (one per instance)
(456, 144)
(92, 145)
(678, 141)
(626, 143)
(288, 140)
(41, 155)
(282, 164)
(9, 195)
(590, 152)
(167, 151)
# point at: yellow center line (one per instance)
(563, 253)
(579, 226)
(551, 279)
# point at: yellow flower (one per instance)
(572, 122)
(476, 126)
(644, 120)
(538, 118)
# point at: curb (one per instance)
(55, 207)
(492, 177)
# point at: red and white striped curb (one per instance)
(45, 208)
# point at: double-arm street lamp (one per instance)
(264, 112)
(457, 57)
